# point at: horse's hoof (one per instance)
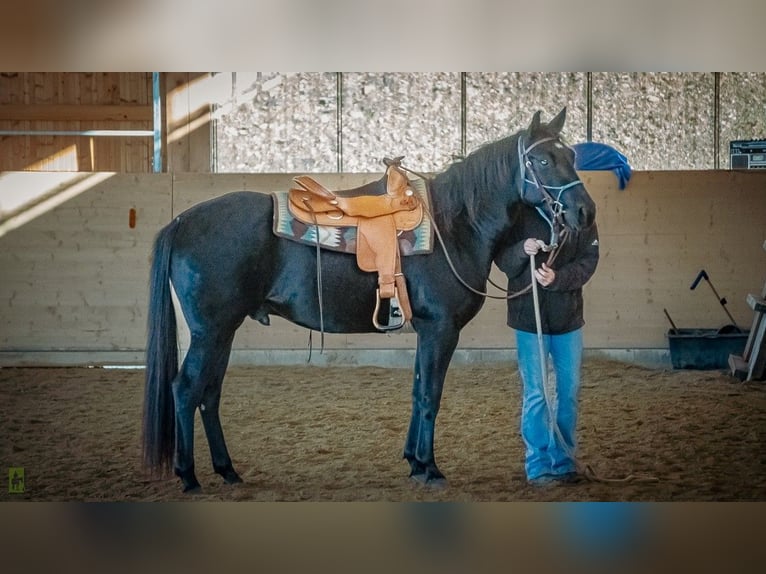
(437, 483)
(233, 478)
(192, 488)
(188, 480)
(229, 475)
(419, 478)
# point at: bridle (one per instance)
(526, 166)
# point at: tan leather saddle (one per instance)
(379, 210)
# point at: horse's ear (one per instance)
(557, 123)
(535, 125)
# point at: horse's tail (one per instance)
(158, 437)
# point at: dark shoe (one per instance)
(546, 480)
(570, 478)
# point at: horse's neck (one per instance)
(475, 238)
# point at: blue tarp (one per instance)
(594, 156)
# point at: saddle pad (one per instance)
(418, 241)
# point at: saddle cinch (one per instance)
(380, 211)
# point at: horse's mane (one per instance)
(468, 183)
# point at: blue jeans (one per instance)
(549, 452)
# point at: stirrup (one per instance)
(395, 316)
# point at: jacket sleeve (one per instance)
(515, 264)
(578, 271)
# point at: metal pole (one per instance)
(463, 114)
(716, 119)
(339, 118)
(589, 105)
(157, 133)
(722, 301)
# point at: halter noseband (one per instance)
(554, 204)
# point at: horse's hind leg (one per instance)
(211, 421)
(187, 393)
(198, 385)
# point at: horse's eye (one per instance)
(543, 162)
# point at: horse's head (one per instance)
(548, 179)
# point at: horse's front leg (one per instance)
(432, 361)
(411, 444)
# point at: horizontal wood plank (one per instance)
(76, 112)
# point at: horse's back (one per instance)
(243, 208)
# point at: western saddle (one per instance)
(380, 211)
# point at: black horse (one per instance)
(226, 264)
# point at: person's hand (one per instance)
(533, 246)
(545, 275)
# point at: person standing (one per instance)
(549, 453)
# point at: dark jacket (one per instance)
(561, 303)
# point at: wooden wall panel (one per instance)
(656, 236)
(75, 102)
(75, 277)
(187, 120)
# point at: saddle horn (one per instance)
(397, 161)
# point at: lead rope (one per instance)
(584, 470)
